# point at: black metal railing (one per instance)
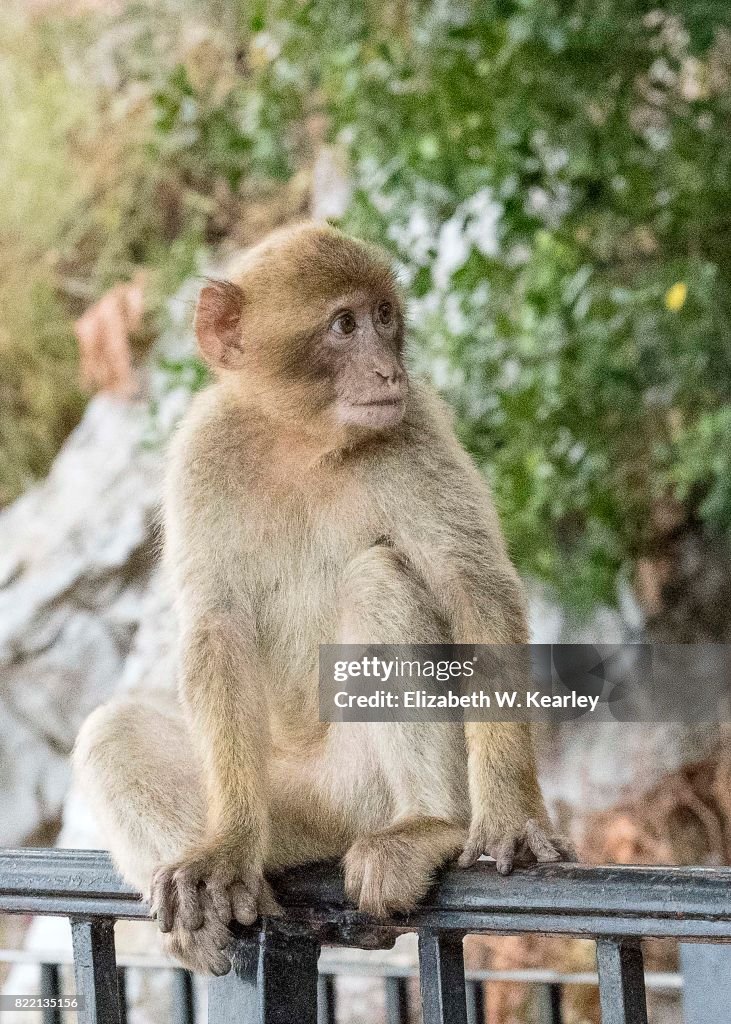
(546, 985)
(275, 977)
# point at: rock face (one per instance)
(84, 612)
(82, 609)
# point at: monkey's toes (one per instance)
(534, 843)
(202, 950)
(252, 900)
(176, 899)
(382, 878)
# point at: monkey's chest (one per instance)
(297, 558)
(297, 606)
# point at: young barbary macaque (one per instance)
(314, 495)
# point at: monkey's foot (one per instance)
(391, 871)
(533, 843)
(195, 899)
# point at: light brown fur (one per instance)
(296, 516)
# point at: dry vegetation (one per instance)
(91, 191)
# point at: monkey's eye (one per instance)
(385, 313)
(344, 324)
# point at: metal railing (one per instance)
(275, 977)
(546, 984)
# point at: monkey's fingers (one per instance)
(188, 890)
(538, 843)
(549, 848)
(248, 902)
(243, 903)
(505, 854)
(268, 906)
(473, 850)
(203, 950)
(217, 890)
(163, 899)
(567, 849)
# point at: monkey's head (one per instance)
(311, 330)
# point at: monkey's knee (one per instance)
(385, 601)
(131, 761)
(100, 737)
(120, 734)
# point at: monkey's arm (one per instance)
(222, 690)
(223, 697)
(454, 541)
(223, 693)
(509, 818)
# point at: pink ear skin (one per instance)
(218, 326)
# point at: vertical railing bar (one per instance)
(397, 1000)
(122, 988)
(706, 973)
(272, 981)
(475, 993)
(182, 996)
(441, 978)
(621, 981)
(549, 1004)
(326, 999)
(95, 967)
(287, 979)
(50, 989)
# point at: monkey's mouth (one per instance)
(378, 403)
(378, 414)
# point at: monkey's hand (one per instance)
(196, 898)
(533, 842)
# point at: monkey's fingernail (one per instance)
(549, 856)
(245, 912)
(221, 967)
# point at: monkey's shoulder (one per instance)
(216, 445)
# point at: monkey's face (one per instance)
(312, 332)
(365, 337)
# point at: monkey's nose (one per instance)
(391, 377)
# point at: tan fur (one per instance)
(288, 525)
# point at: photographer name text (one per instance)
(508, 699)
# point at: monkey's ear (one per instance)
(218, 324)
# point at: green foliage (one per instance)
(555, 180)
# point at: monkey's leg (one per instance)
(424, 765)
(133, 761)
(134, 764)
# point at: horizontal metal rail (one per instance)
(662, 981)
(567, 899)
